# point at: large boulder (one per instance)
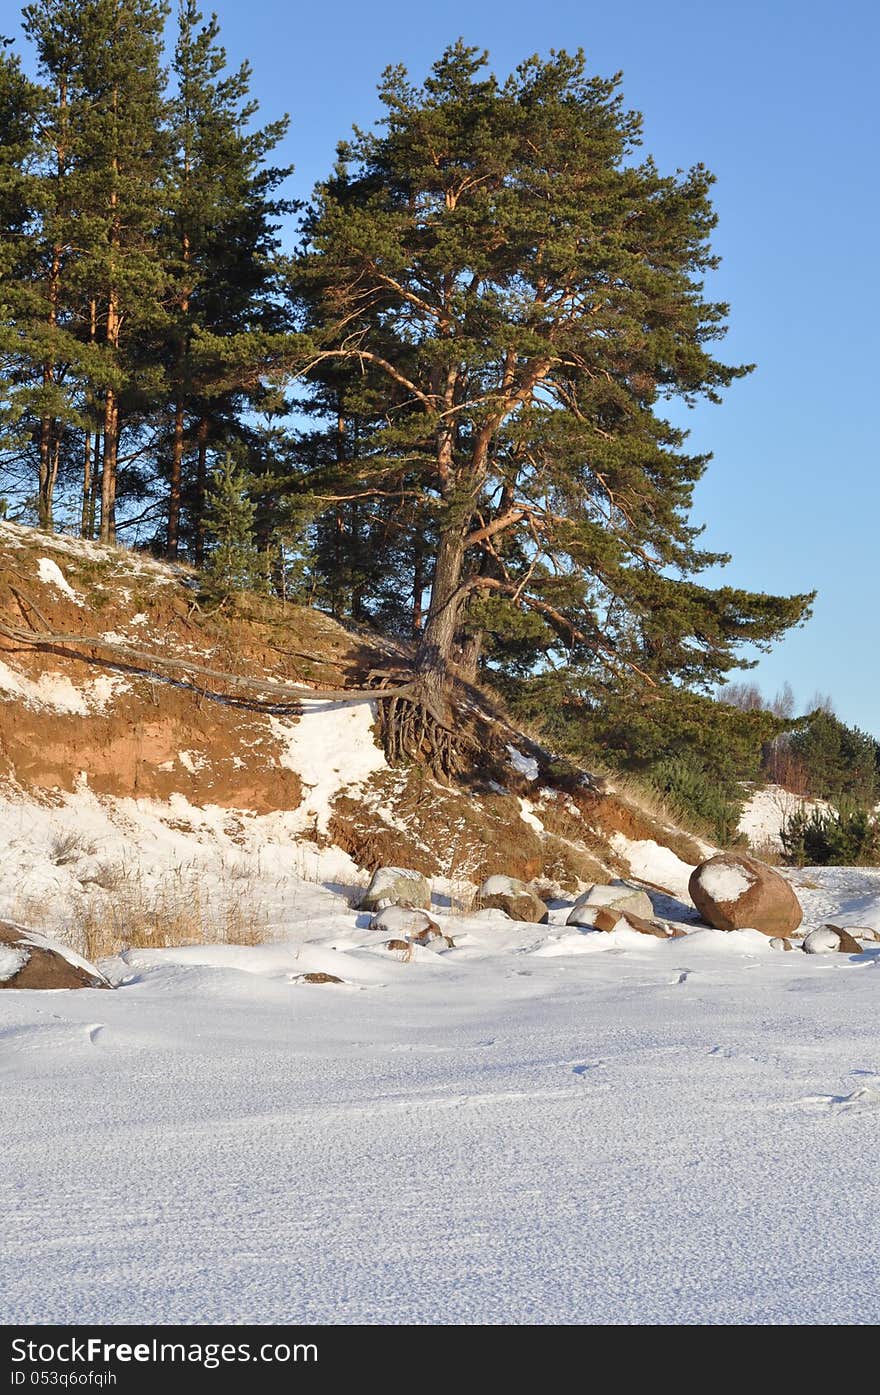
(514, 898)
(30, 960)
(735, 892)
(612, 900)
(396, 886)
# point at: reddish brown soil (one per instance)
(133, 747)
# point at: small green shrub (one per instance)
(693, 794)
(846, 837)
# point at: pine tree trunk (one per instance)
(176, 481)
(420, 726)
(92, 446)
(201, 489)
(108, 473)
(434, 654)
(85, 519)
(418, 587)
(173, 540)
(112, 338)
(469, 659)
(45, 486)
(95, 485)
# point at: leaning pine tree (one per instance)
(521, 297)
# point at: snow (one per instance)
(193, 761)
(766, 812)
(15, 535)
(542, 1125)
(822, 941)
(11, 960)
(724, 881)
(580, 1103)
(651, 862)
(331, 748)
(57, 693)
(51, 574)
(528, 815)
(525, 765)
(499, 885)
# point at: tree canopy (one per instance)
(448, 411)
(507, 298)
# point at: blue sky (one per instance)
(778, 99)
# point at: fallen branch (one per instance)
(154, 663)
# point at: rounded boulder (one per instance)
(603, 902)
(735, 892)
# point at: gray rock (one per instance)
(402, 920)
(396, 886)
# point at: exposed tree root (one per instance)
(413, 730)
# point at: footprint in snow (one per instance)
(583, 1068)
(681, 977)
(863, 1098)
(94, 1031)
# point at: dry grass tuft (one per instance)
(119, 908)
(461, 868)
(768, 852)
(69, 846)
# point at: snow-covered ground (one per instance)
(766, 812)
(514, 1130)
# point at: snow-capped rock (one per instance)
(514, 898)
(821, 941)
(396, 886)
(30, 960)
(403, 920)
(733, 892)
(613, 898)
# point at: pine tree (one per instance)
(234, 560)
(521, 297)
(100, 61)
(39, 333)
(20, 103)
(227, 324)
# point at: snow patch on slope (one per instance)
(651, 862)
(57, 693)
(767, 811)
(11, 960)
(525, 765)
(51, 575)
(330, 748)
